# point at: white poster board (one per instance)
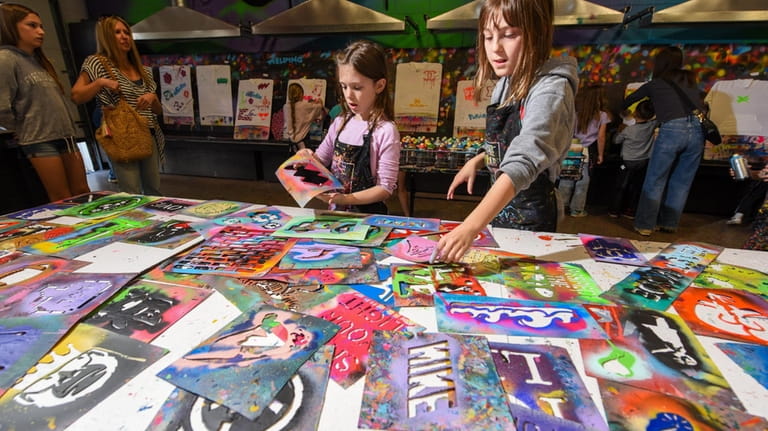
(214, 92)
(417, 96)
(176, 95)
(254, 109)
(739, 107)
(469, 119)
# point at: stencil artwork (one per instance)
(410, 223)
(648, 287)
(656, 351)
(489, 315)
(6, 224)
(246, 293)
(8, 255)
(725, 313)
(485, 263)
(373, 238)
(543, 378)
(30, 270)
(358, 317)
(612, 250)
(547, 281)
(369, 272)
(724, 276)
(23, 341)
(168, 234)
(37, 214)
(157, 275)
(213, 208)
(296, 406)
(308, 254)
(686, 258)
(84, 198)
(235, 251)
(434, 381)
(84, 368)
(414, 285)
(484, 237)
(324, 227)
(144, 310)
(414, 248)
(168, 205)
(29, 234)
(304, 177)
(268, 219)
(107, 206)
(752, 359)
(635, 409)
(381, 293)
(88, 237)
(265, 347)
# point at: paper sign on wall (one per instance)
(176, 95)
(417, 96)
(254, 109)
(214, 90)
(469, 119)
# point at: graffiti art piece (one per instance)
(547, 281)
(304, 177)
(27, 270)
(369, 272)
(168, 206)
(309, 254)
(490, 315)
(612, 250)
(434, 381)
(324, 227)
(107, 206)
(414, 285)
(265, 347)
(417, 96)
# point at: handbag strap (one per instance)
(107, 65)
(694, 110)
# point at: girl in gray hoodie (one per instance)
(529, 125)
(33, 104)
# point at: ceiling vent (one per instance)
(181, 22)
(703, 11)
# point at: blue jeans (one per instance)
(140, 177)
(574, 193)
(674, 160)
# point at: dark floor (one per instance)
(693, 226)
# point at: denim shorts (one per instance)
(49, 149)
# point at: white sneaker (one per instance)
(736, 219)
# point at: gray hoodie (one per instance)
(31, 103)
(549, 118)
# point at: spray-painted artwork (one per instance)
(246, 293)
(548, 281)
(85, 197)
(296, 406)
(88, 237)
(176, 95)
(28, 234)
(484, 238)
(612, 250)
(254, 109)
(369, 272)
(490, 315)
(373, 238)
(264, 347)
(725, 313)
(37, 214)
(751, 358)
(686, 258)
(433, 382)
(724, 276)
(168, 205)
(381, 293)
(8, 255)
(23, 341)
(304, 177)
(656, 351)
(420, 225)
(107, 206)
(268, 219)
(358, 317)
(157, 275)
(635, 409)
(417, 96)
(324, 227)
(6, 224)
(414, 248)
(486, 262)
(145, 309)
(235, 251)
(543, 378)
(85, 367)
(415, 285)
(29, 269)
(309, 254)
(214, 208)
(169, 234)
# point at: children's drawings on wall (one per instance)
(176, 95)
(214, 91)
(254, 109)
(417, 96)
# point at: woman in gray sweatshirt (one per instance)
(33, 104)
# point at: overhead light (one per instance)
(703, 11)
(181, 22)
(328, 16)
(567, 12)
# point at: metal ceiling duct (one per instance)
(181, 22)
(703, 11)
(567, 12)
(328, 16)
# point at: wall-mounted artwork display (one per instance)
(214, 91)
(417, 96)
(254, 109)
(469, 119)
(176, 95)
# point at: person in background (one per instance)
(678, 147)
(531, 121)
(636, 142)
(33, 104)
(758, 239)
(298, 115)
(362, 147)
(752, 200)
(591, 128)
(114, 42)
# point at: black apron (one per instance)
(352, 166)
(535, 208)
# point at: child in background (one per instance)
(362, 147)
(636, 142)
(530, 121)
(591, 126)
(298, 115)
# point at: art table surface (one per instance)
(134, 405)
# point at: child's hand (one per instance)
(455, 244)
(467, 175)
(305, 152)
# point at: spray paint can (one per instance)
(740, 167)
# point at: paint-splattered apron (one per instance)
(534, 208)
(352, 166)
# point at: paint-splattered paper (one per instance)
(296, 406)
(264, 347)
(751, 358)
(304, 177)
(324, 227)
(612, 250)
(489, 315)
(30, 270)
(725, 276)
(84, 368)
(309, 254)
(539, 280)
(417, 96)
(432, 382)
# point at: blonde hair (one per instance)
(590, 101)
(106, 44)
(369, 60)
(295, 94)
(12, 15)
(536, 21)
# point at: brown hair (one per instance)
(295, 94)
(106, 44)
(590, 100)
(536, 21)
(369, 60)
(12, 14)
